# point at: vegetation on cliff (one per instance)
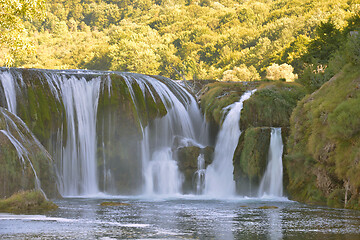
(218, 95)
(271, 105)
(324, 143)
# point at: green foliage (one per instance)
(27, 202)
(278, 72)
(324, 141)
(328, 40)
(329, 53)
(241, 73)
(13, 39)
(200, 39)
(344, 122)
(271, 105)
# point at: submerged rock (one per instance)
(111, 204)
(187, 158)
(268, 207)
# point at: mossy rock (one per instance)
(122, 115)
(216, 96)
(323, 147)
(27, 202)
(250, 159)
(268, 207)
(271, 105)
(19, 163)
(187, 158)
(114, 204)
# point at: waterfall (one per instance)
(183, 119)
(200, 174)
(219, 175)
(78, 168)
(9, 85)
(74, 142)
(272, 181)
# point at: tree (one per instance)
(13, 33)
(241, 73)
(278, 72)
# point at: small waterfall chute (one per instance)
(200, 174)
(160, 170)
(272, 181)
(219, 180)
(10, 85)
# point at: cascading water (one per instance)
(19, 142)
(78, 168)
(73, 138)
(160, 170)
(272, 181)
(9, 84)
(219, 180)
(200, 174)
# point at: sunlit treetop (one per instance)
(13, 33)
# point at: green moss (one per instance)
(25, 202)
(219, 95)
(268, 207)
(344, 121)
(38, 107)
(112, 204)
(324, 142)
(336, 198)
(250, 157)
(16, 172)
(271, 105)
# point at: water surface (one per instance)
(183, 218)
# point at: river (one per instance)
(183, 217)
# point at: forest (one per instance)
(294, 40)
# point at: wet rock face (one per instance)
(25, 164)
(250, 159)
(187, 158)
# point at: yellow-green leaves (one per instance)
(13, 37)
